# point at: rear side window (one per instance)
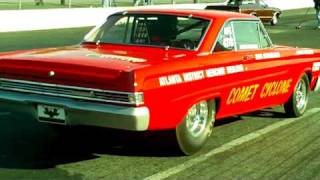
(241, 2)
(226, 40)
(242, 35)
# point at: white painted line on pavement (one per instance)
(177, 169)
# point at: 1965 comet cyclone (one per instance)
(147, 70)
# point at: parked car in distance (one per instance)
(257, 8)
(153, 70)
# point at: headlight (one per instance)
(136, 98)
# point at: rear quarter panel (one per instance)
(169, 94)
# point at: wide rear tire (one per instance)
(297, 104)
(196, 127)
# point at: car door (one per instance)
(263, 11)
(253, 68)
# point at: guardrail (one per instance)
(25, 20)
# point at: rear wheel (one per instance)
(297, 104)
(193, 132)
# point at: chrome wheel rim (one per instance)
(197, 118)
(301, 95)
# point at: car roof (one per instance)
(209, 14)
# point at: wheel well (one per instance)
(218, 104)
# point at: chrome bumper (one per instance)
(78, 112)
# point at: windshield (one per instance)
(150, 30)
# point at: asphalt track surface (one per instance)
(259, 145)
(263, 144)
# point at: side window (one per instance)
(242, 35)
(246, 34)
(244, 2)
(226, 41)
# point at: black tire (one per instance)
(297, 104)
(196, 127)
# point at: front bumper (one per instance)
(78, 112)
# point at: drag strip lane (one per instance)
(246, 138)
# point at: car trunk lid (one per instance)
(72, 66)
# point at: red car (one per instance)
(151, 70)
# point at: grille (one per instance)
(65, 91)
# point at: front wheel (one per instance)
(196, 127)
(274, 20)
(297, 104)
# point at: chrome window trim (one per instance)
(66, 87)
(266, 33)
(234, 37)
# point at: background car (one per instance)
(257, 8)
